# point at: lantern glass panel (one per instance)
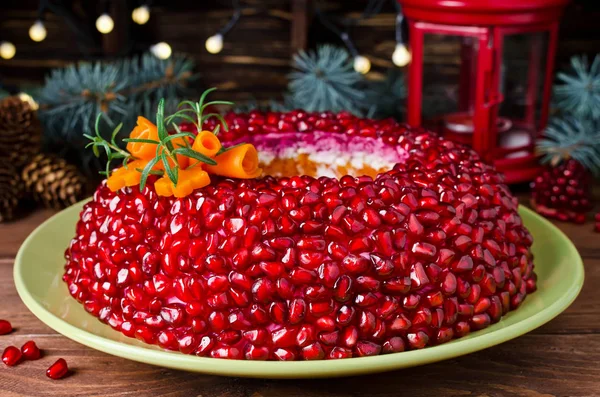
(521, 83)
(449, 84)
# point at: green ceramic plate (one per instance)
(39, 266)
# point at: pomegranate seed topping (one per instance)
(58, 370)
(31, 351)
(5, 327)
(11, 356)
(299, 267)
(313, 352)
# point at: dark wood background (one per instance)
(256, 55)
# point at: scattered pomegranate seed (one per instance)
(11, 356)
(303, 268)
(31, 351)
(5, 327)
(563, 192)
(58, 370)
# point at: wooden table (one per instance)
(562, 358)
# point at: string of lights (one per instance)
(7, 50)
(400, 57)
(105, 24)
(37, 31)
(214, 44)
(141, 14)
(361, 63)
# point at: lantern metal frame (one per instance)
(489, 22)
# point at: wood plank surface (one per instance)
(561, 358)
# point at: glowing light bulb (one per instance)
(37, 31)
(141, 14)
(401, 56)
(362, 64)
(161, 50)
(214, 44)
(7, 50)
(105, 23)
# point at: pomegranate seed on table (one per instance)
(11, 356)
(31, 351)
(305, 268)
(563, 192)
(5, 327)
(58, 370)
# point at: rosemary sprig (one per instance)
(197, 109)
(111, 148)
(168, 146)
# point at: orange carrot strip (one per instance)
(207, 143)
(123, 177)
(164, 187)
(145, 129)
(238, 162)
(188, 181)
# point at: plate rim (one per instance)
(297, 369)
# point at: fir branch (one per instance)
(73, 96)
(571, 138)
(579, 91)
(387, 97)
(325, 80)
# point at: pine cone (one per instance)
(52, 182)
(20, 131)
(11, 190)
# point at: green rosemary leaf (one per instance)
(95, 150)
(97, 125)
(189, 134)
(125, 162)
(171, 171)
(217, 129)
(182, 116)
(218, 116)
(120, 156)
(225, 149)
(213, 103)
(91, 138)
(189, 103)
(194, 164)
(179, 135)
(160, 124)
(107, 149)
(195, 155)
(152, 172)
(141, 140)
(179, 113)
(114, 134)
(185, 110)
(146, 171)
(204, 95)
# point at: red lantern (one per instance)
(495, 93)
